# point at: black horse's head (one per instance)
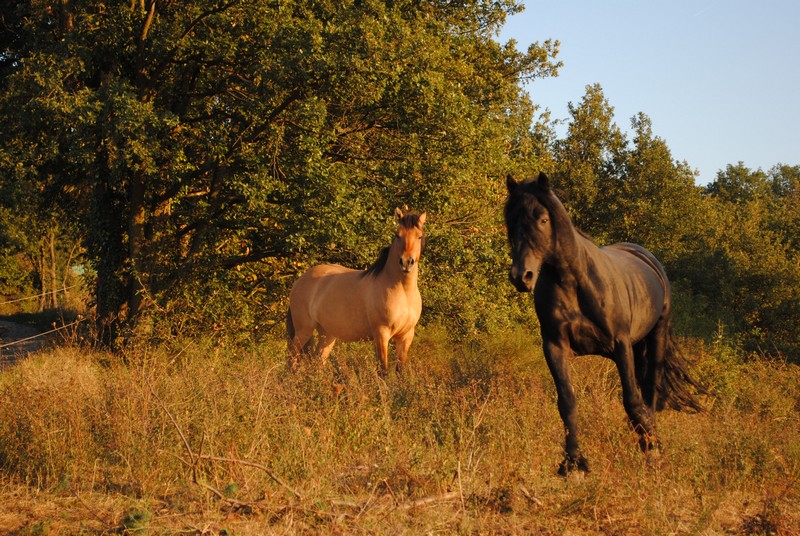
(530, 229)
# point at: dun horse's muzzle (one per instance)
(407, 264)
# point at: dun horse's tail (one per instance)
(677, 388)
(289, 325)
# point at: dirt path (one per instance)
(10, 349)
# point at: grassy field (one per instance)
(201, 438)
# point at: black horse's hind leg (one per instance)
(556, 360)
(641, 363)
(638, 413)
(656, 342)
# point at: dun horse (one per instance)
(612, 301)
(381, 303)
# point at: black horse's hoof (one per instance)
(572, 464)
(649, 444)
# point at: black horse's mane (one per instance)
(522, 211)
(408, 221)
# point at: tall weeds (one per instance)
(193, 433)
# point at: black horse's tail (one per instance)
(677, 389)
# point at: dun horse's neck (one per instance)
(394, 276)
(397, 278)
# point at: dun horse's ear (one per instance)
(421, 220)
(511, 184)
(398, 214)
(543, 181)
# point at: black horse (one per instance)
(612, 301)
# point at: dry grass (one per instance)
(206, 439)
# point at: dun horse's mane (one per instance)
(408, 221)
(377, 267)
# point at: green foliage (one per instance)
(752, 263)
(204, 155)
(192, 139)
(136, 521)
(585, 164)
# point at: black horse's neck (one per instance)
(569, 256)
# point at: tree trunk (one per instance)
(107, 237)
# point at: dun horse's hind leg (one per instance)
(324, 345)
(637, 411)
(299, 333)
(300, 345)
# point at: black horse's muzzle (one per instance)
(523, 280)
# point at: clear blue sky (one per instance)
(720, 79)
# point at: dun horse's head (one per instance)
(530, 230)
(410, 238)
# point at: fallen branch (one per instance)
(257, 465)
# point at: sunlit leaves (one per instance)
(235, 142)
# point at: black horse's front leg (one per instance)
(556, 356)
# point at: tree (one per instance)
(38, 243)
(210, 150)
(585, 167)
(785, 216)
(755, 240)
(738, 184)
(659, 204)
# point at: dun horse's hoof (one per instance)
(572, 464)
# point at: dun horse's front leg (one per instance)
(556, 356)
(401, 345)
(381, 341)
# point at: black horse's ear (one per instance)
(511, 184)
(543, 181)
